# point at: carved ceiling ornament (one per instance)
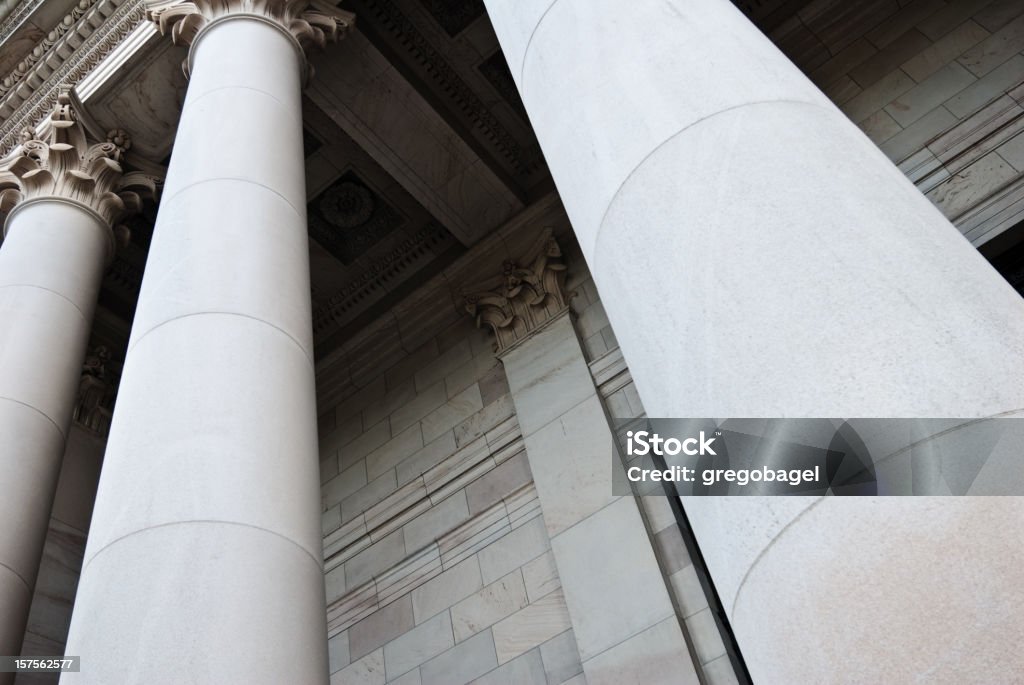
(313, 23)
(531, 294)
(67, 165)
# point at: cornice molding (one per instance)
(70, 167)
(529, 294)
(312, 23)
(46, 45)
(428, 242)
(16, 18)
(524, 160)
(36, 95)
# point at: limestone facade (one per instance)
(355, 249)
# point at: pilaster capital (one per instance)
(525, 297)
(312, 23)
(97, 390)
(64, 164)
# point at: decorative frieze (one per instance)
(440, 65)
(313, 23)
(43, 48)
(66, 165)
(36, 94)
(529, 294)
(381, 274)
(19, 13)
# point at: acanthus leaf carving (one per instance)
(531, 292)
(313, 23)
(67, 165)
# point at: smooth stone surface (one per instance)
(547, 376)
(651, 657)
(200, 605)
(214, 439)
(179, 281)
(245, 443)
(748, 271)
(51, 265)
(601, 589)
(574, 453)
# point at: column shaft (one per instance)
(758, 256)
(204, 561)
(51, 265)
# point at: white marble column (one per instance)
(758, 256)
(64, 195)
(204, 560)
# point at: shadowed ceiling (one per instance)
(416, 145)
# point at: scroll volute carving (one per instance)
(530, 293)
(313, 23)
(67, 165)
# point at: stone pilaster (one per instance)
(570, 448)
(96, 392)
(63, 195)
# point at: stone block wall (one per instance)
(937, 85)
(615, 385)
(437, 563)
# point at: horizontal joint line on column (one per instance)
(218, 313)
(104, 548)
(63, 437)
(255, 90)
(823, 498)
(167, 200)
(17, 575)
(764, 550)
(684, 129)
(529, 42)
(53, 292)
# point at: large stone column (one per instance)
(64, 194)
(204, 561)
(758, 256)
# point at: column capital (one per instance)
(311, 23)
(97, 389)
(64, 164)
(525, 297)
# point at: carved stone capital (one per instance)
(312, 23)
(96, 392)
(529, 294)
(65, 164)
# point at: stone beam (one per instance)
(373, 103)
